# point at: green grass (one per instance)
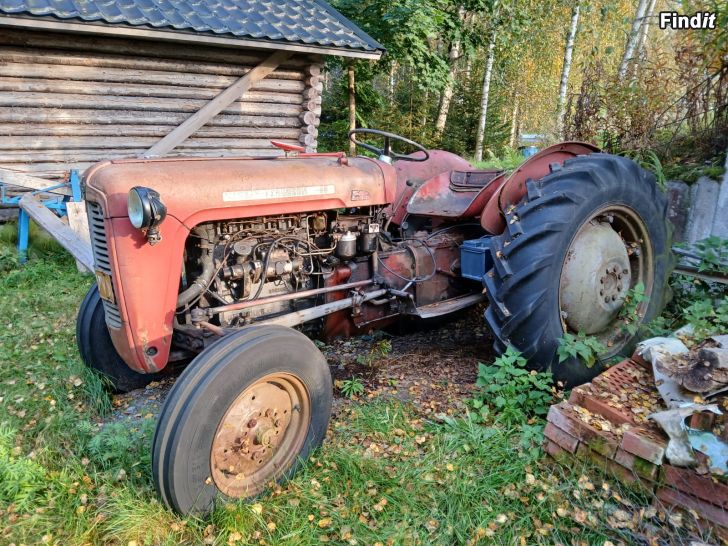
(509, 161)
(384, 475)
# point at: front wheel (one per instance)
(242, 415)
(585, 239)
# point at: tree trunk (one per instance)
(634, 34)
(568, 53)
(480, 137)
(447, 91)
(514, 122)
(392, 81)
(645, 29)
(352, 108)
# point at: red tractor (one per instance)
(234, 263)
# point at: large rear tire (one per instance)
(97, 350)
(581, 238)
(243, 414)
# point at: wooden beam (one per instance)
(30, 183)
(68, 239)
(217, 105)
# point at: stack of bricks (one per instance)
(606, 422)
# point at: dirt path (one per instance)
(433, 368)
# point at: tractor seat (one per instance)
(455, 194)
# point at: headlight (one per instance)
(145, 208)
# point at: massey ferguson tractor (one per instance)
(232, 264)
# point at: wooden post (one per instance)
(79, 249)
(216, 105)
(352, 108)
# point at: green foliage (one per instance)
(351, 387)
(649, 160)
(629, 314)
(707, 317)
(118, 446)
(585, 348)
(713, 254)
(379, 350)
(21, 478)
(511, 390)
(509, 160)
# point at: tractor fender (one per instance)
(513, 188)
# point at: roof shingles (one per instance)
(311, 22)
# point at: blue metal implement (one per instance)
(56, 203)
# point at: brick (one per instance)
(561, 438)
(645, 444)
(624, 475)
(594, 404)
(555, 451)
(642, 467)
(562, 415)
(709, 512)
(690, 482)
(702, 421)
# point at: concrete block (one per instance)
(703, 200)
(678, 205)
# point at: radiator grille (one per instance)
(102, 259)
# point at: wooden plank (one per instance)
(70, 130)
(27, 143)
(28, 182)
(217, 105)
(128, 62)
(146, 104)
(77, 42)
(85, 156)
(121, 117)
(287, 92)
(68, 239)
(90, 73)
(51, 171)
(78, 222)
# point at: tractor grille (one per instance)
(102, 259)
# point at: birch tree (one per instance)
(566, 68)
(633, 38)
(645, 29)
(480, 136)
(447, 91)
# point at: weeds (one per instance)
(629, 314)
(585, 348)
(351, 388)
(713, 254)
(511, 391)
(379, 350)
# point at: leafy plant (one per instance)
(713, 254)
(629, 313)
(380, 349)
(21, 479)
(585, 348)
(352, 387)
(513, 391)
(707, 317)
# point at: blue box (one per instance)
(475, 258)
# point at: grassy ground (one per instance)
(394, 469)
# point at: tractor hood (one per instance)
(202, 189)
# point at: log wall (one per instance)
(67, 101)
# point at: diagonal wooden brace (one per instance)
(216, 105)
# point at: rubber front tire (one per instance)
(523, 286)
(209, 387)
(98, 352)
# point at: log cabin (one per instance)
(87, 80)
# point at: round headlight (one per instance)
(136, 209)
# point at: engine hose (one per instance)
(200, 284)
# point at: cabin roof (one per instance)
(300, 25)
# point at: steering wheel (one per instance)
(387, 149)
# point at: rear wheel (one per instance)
(98, 352)
(243, 414)
(574, 247)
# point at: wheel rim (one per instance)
(260, 435)
(609, 255)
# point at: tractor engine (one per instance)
(250, 259)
